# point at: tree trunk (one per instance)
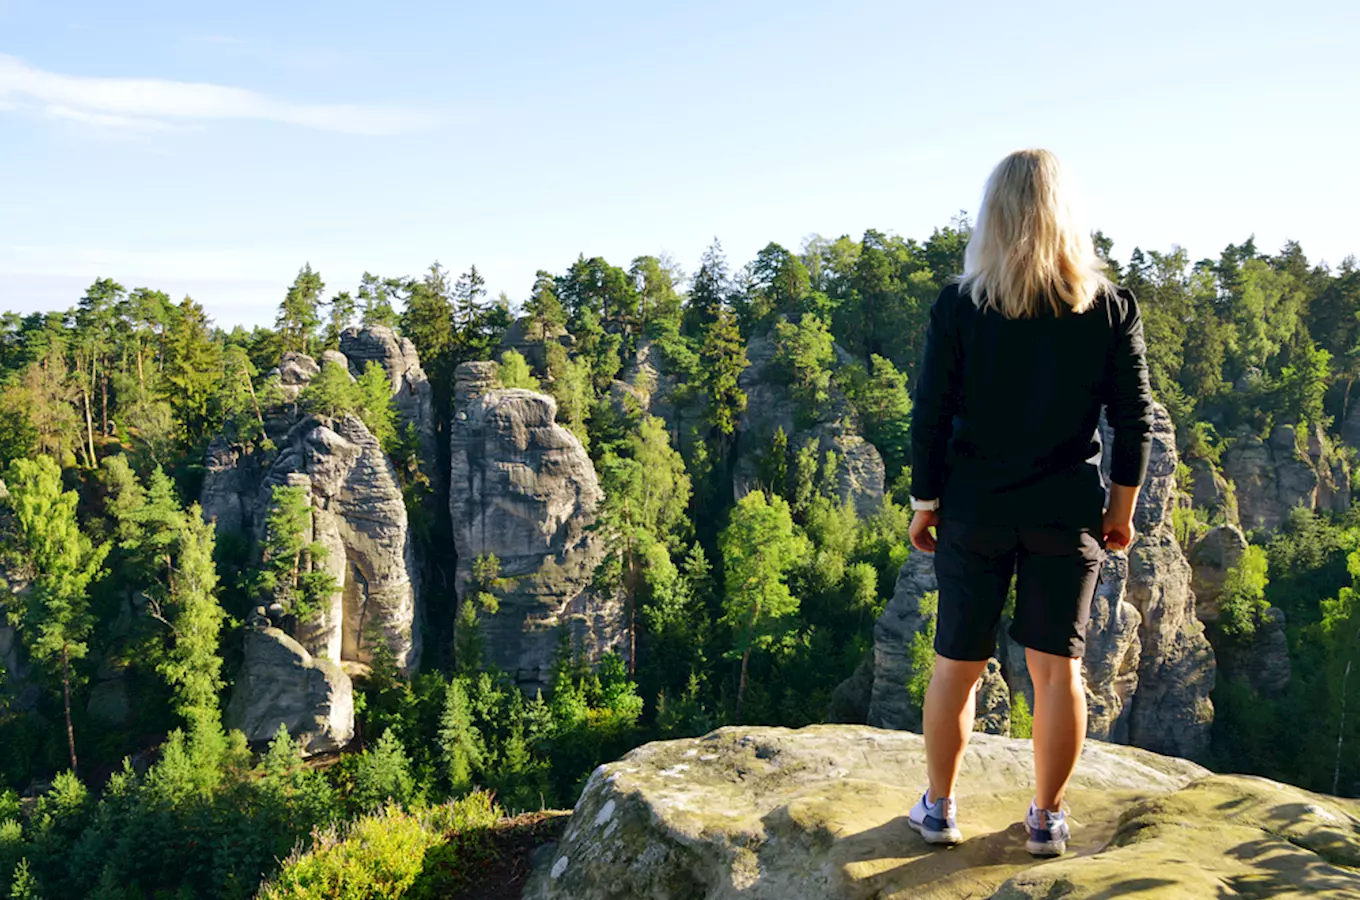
(254, 402)
(66, 696)
(89, 423)
(104, 400)
(741, 685)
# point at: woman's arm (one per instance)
(1128, 408)
(932, 418)
(936, 401)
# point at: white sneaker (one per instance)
(935, 821)
(1048, 832)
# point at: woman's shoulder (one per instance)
(1117, 302)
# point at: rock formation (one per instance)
(1211, 556)
(412, 395)
(770, 406)
(1171, 712)
(523, 489)
(282, 684)
(1263, 658)
(358, 514)
(1273, 476)
(526, 340)
(1210, 492)
(820, 814)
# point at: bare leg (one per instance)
(948, 721)
(1059, 724)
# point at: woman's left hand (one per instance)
(921, 524)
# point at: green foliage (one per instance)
(299, 313)
(62, 561)
(723, 360)
(382, 856)
(803, 355)
(331, 393)
(383, 775)
(921, 652)
(514, 372)
(460, 741)
(293, 572)
(1022, 720)
(1242, 603)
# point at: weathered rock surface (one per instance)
(531, 342)
(359, 515)
(1210, 492)
(890, 706)
(1273, 476)
(412, 395)
(1217, 551)
(1171, 711)
(280, 683)
(820, 814)
(522, 488)
(358, 511)
(769, 406)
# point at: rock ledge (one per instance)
(819, 813)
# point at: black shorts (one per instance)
(1056, 572)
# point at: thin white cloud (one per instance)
(127, 102)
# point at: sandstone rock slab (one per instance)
(280, 683)
(820, 813)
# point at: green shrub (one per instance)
(514, 372)
(922, 651)
(1242, 605)
(1022, 720)
(380, 857)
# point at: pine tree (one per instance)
(299, 313)
(341, 313)
(724, 359)
(332, 392)
(544, 311)
(192, 369)
(64, 563)
(192, 665)
(459, 740)
(373, 404)
(709, 291)
(375, 293)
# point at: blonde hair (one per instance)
(1026, 250)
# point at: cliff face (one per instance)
(1149, 668)
(820, 814)
(770, 406)
(522, 488)
(1273, 476)
(358, 513)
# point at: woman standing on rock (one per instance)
(1021, 354)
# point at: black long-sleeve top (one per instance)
(1005, 424)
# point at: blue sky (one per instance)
(213, 150)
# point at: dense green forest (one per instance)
(748, 611)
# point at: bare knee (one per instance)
(957, 676)
(1049, 671)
